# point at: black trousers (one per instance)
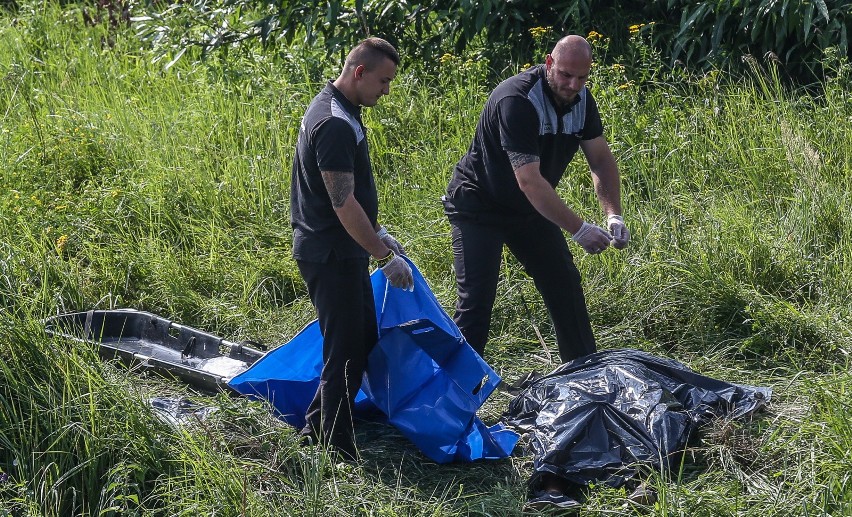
(541, 248)
(343, 296)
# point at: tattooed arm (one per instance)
(541, 194)
(341, 188)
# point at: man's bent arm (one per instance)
(541, 194)
(341, 190)
(605, 174)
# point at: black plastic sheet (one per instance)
(602, 417)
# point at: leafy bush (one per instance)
(698, 35)
(422, 32)
(722, 33)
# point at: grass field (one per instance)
(124, 183)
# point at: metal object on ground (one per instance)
(202, 360)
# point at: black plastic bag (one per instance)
(601, 417)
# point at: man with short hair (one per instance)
(503, 192)
(334, 211)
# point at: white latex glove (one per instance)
(398, 273)
(620, 233)
(592, 238)
(390, 241)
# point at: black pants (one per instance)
(341, 292)
(541, 248)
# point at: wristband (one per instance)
(382, 262)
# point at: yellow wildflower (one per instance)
(538, 32)
(61, 243)
(634, 29)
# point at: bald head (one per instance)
(568, 68)
(572, 46)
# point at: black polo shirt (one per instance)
(520, 116)
(331, 138)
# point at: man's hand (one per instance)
(398, 273)
(592, 238)
(620, 233)
(389, 241)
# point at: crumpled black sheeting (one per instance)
(600, 417)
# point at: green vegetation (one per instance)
(706, 34)
(128, 181)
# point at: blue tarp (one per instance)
(422, 375)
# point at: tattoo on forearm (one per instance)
(339, 185)
(520, 159)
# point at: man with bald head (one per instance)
(334, 212)
(502, 192)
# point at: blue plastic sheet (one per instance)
(421, 374)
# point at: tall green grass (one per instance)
(125, 184)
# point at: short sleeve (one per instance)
(518, 125)
(335, 146)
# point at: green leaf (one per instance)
(176, 58)
(333, 11)
(687, 23)
(718, 31)
(809, 15)
(480, 18)
(823, 9)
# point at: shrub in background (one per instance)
(721, 34)
(698, 35)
